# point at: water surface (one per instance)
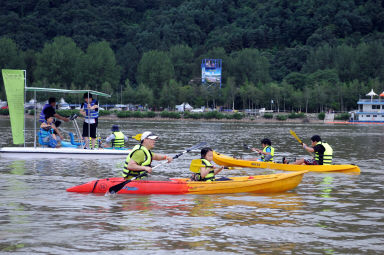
(325, 214)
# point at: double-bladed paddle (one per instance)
(116, 188)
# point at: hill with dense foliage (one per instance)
(305, 55)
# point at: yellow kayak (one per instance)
(255, 184)
(228, 161)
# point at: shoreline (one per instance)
(246, 119)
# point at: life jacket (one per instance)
(90, 113)
(118, 142)
(272, 153)
(97, 143)
(45, 132)
(328, 154)
(42, 115)
(210, 176)
(128, 174)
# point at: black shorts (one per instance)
(92, 129)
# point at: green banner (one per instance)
(14, 88)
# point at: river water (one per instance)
(325, 214)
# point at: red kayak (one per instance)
(134, 187)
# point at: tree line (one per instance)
(301, 55)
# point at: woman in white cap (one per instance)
(140, 158)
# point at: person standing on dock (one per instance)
(90, 110)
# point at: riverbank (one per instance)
(310, 118)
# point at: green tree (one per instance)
(101, 66)
(129, 93)
(250, 65)
(128, 58)
(144, 95)
(230, 92)
(57, 62)
(182, 60)
(9, 58)
(168, 95)
(9, 54)
(156, 69)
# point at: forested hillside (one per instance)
(307, 55)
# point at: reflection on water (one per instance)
(325, 214)
(326, 186)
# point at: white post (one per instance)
(34, 140)
(25, 96)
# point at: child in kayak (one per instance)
(202, 169)
(266, 153)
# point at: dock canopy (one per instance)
(35, 89)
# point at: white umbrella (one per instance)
(371, 94)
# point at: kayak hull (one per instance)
(273, 183)
(228, 161)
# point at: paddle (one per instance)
(295, 136)
(116, 188)
(248, 147)
(298, 139)
(137, 137)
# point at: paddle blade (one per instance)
(118, 187)
(295, 136)
(195, 166)
(137, 137)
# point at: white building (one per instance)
(369, 110)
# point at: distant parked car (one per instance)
(197, 110)
(64, 106)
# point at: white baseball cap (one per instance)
(149, 135)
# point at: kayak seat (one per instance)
(52, 143)
(40, 139)
(73, 142)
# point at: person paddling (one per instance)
(140, 158)
(323, 153)
(267, 152)
(207, 172)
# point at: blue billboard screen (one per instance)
(211, 71)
